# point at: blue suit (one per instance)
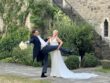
(37, 53)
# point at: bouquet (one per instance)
(22, 45)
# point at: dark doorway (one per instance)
(106, 28)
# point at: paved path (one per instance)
(34, 73)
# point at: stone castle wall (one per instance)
(95, 12)
(92, 10)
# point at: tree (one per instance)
(42, 14)
(83, 39)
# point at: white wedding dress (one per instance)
(59, 69)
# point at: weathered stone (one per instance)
(28, 23)
(1, 24)
(94, 12)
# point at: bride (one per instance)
(58, 67)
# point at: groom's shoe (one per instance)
(43, 75)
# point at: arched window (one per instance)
(106, 28)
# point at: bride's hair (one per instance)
(54, 31)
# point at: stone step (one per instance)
(105, 45)
(105, 48)
(106, 54)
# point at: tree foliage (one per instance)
(42, 14)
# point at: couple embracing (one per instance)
(53, 46)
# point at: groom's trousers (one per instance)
(48, 49)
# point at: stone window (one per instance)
(106, 28)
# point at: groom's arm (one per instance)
(30, 41)
(47, 40)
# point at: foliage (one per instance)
(72, 62)
(89, 60)
(22, 57)
(83, 40)
(106, 64)
(11, 40)
(14, 30)
(8, 60)
(103, 70)
(4, 54)
(42, 13)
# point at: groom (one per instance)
(41, 50)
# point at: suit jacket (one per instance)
(37, 53)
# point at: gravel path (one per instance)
(34, 73)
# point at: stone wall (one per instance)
(1, 24)
(94, 12)
(19, 9)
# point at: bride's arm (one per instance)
(48, 39)
(60, 42)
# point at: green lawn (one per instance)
(15, 79)
(100, 69)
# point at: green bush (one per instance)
(8, 60)
(89, 60)
(24, 56)
(4, 54)
(106, 64)
(72, 62)
(11, 40)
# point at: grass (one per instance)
(100, 69)
(16, 79)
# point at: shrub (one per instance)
(11, 40)
(89, 60)
(4, 54)
(72, 62)
(106, 64)
(7, 60)
(24, 56)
